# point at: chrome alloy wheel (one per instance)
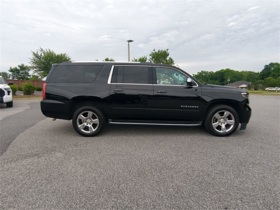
(223, 121)
(87, 122)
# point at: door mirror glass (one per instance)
(189, 82)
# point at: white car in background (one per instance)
(6, 93)
(272, 89)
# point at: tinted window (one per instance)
(168, 76)
(75, 74)
(131, 74)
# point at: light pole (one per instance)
(128, 48)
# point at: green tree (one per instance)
(258, 85)
(5, 75)
(43, 60)
(34, 77)
(108, 59)
(268, 77)
(270, 82)
(250, 76)
(161, 57)
(232, 76)
(20, 72)
(226, 76)
(206, 77)
(142, 59)
(278, 82)
(270, 70)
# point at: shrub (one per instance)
(14, 89)
(38, 88)
(28, 89)
(19, 88)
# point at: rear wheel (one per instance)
(222, 120)
(88, 121)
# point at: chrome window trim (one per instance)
(181, 71)
(173, 85)
(102, 62)
(195, 83)
(130, 84)
(113, 66)
(110, 75)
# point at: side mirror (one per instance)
(189, 82)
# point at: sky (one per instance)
(199, 34)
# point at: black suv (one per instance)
(95, 93)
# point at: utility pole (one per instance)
(128, 48)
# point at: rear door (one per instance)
(131, 90)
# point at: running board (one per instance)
(151, 123)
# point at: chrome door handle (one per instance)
(161, 91)
(118, 90)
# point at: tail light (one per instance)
(44, 90)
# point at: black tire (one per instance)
(221, 120)
(10, 104)
(88, 121)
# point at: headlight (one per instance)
(8, 90)
(245, 95)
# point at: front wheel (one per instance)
(88, 121)
(222, 120)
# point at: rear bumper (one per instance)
(56, 109)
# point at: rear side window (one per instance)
(75, 73)
(132, 75)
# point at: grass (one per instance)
(264, 92)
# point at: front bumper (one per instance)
(5, 96)
(243, 126)
(245, 116)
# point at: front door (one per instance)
(173, 100)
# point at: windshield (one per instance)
(2, 81)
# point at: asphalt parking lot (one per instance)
(49, 166)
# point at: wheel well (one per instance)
(232, 104)
(87, 101)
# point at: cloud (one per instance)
(200, 34)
